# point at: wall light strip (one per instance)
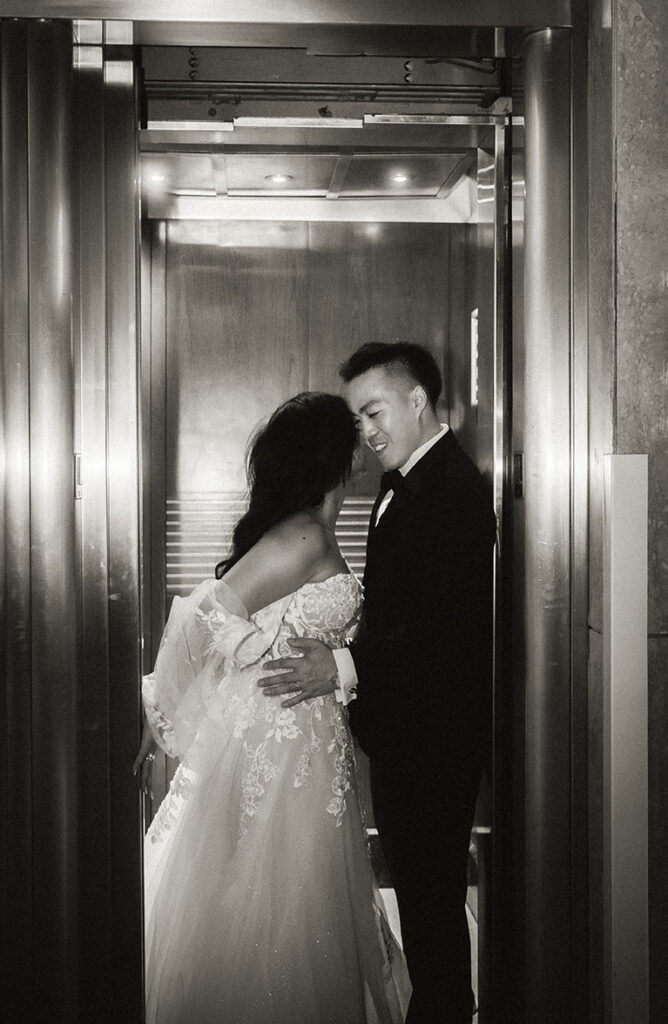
(190, 126)
(298, 122)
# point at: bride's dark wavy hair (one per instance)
(305, 450)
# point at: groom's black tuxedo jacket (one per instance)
(423, 649)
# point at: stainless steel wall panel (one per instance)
(498, 922)
(580, 414)
(262, 14)
(155, 469)
(547, 527)
(91, 390)
(16, 739)
(53, 606)
(41, 666)
(123, 497)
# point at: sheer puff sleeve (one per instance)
(208, 638)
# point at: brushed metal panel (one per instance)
(53, 605)
(547, 526)
(16, 619)
(265, 12)
(495, 441)
(237, 343)
(123, 497)
(156, 465)
(625, 740)
(580, 512)
(457, 207)
(395, 135)
(90, 343)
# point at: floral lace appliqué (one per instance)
(179, 791)
(341, 747)
(259, 770)
(304, 768)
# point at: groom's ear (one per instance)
(420, 400)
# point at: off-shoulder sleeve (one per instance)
(204, 640)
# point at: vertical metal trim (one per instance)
(547, 525)
(158, 427)
(579, 517)
(17, 582)
(124, 503)
(625, 739)
(90, 343)
(502, 226)
(502, 909)
(53, 605)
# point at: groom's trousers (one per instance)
(424, 815)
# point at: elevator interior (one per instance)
(275, 243)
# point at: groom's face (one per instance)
(387, 406)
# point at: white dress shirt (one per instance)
(347, 683)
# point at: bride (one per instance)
(260, 902)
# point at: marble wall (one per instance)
(628, 331)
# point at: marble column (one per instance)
(628, 318)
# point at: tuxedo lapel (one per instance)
(384, 537)
(418, 480)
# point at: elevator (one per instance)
(231, 240)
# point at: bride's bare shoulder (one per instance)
(285, 557)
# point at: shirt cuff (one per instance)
(347, 686)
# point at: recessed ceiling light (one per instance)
(157, 177)
(400, 177)
(278, 179)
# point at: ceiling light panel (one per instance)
(310, 172)
(390, 174)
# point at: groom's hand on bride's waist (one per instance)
(310, 673)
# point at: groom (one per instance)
(417, 677)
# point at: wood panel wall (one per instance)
(257, 312)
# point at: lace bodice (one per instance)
(327, 610)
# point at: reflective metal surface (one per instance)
(53, 607)
(123, 508)
(547, 528)
(456, 208)
(90, 347)
(15, 708)
(581, 778)
(262, 12)
(41, 670)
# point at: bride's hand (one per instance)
(143, 762)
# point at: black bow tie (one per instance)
(391, 481)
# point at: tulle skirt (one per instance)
(261, 907)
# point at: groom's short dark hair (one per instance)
(417, 362)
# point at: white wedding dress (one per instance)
(261, 906)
